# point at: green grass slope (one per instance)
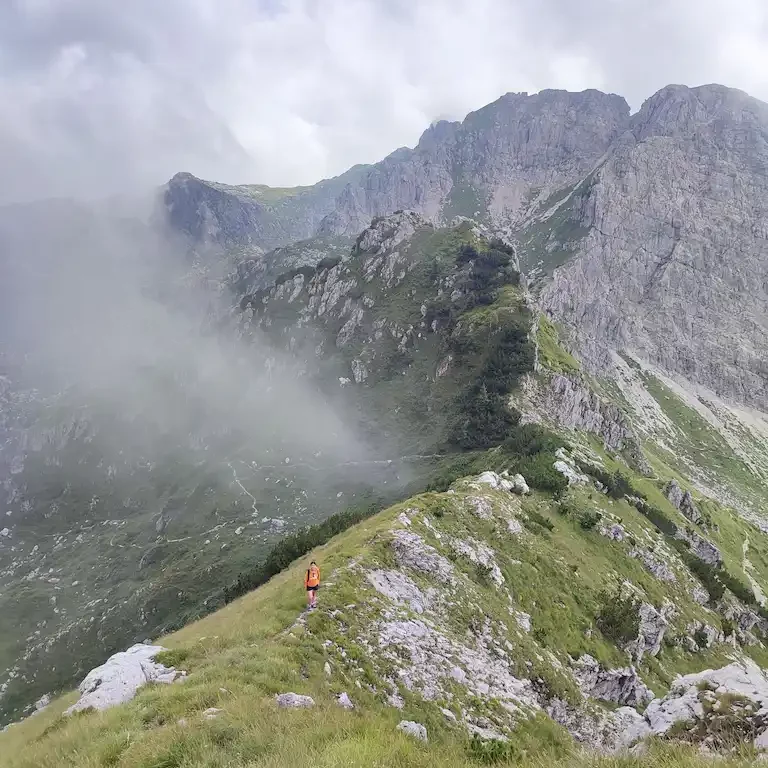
(557, 569)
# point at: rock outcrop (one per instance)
(697, 698)
(492, 164)
(653, 625)
(683, 501)
(120, 677)
(671, 264)
(294, 701)
(619, 686)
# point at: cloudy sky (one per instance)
(101, 96)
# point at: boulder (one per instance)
(120, 677)
(294, 701)
(212, 713)
(344, 701)
(492, 479)
(417, 730)
(620, 686)
(519, 485)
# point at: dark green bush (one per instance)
(589, 518)
(619, 617)
(466, 254)
(484, 418)
(539, 472)
(530, 439)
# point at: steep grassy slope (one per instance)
(550, 567)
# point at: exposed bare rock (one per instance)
(620, 686)
(683, 501)
(399, 588)
(410, 728)
(653, 625)
(344, 701)
(540, 142)
(703, 549)
(412, 551)
(294, 701)
(120, 677)
(653, 564)
(671, 265)
(601, 730)
(693, 698)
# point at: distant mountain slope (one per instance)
(210, 213)
(672, 259)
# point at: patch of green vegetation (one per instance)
(551, 352)
(549, 242)
(698, 440)
(619, 617)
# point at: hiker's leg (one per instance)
(309, 598)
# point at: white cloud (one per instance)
(99, 97)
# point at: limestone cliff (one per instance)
(675, 263)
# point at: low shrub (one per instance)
(619, 617)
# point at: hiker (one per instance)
(312, 583)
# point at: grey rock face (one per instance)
(674, 493)
(210, 213)
(620, 686)
(703, 549)
(653, 564)
(653, 625)
(570, 402)
(493, 162)
(674, 266)
(412, 551)
(683, 501)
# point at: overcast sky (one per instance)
(101, 96)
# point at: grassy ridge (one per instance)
(239, 657)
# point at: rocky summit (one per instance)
(507, 388)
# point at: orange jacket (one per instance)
(312, 577)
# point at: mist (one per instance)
(111, 315)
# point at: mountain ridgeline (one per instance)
(553, 288)
(652, 218)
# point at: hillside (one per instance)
(464, 611)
